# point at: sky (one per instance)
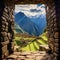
(31, 10)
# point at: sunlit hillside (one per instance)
(30, 22)
(29, 43)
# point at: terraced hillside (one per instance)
(31, 43)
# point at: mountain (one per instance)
(19, 29)
(40, 21)
(26, 24)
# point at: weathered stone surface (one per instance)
(27, 56)
(56, 35)
(6, 27)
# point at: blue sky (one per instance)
(31, 10)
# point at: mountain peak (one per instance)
(19, 16)
(30, 26)
(20, 13)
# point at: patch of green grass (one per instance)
(34, 43)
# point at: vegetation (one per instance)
(28, 42)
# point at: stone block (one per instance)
(56, 35)
(4, 34)
(4, 43)
(12, 57)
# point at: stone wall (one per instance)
(6, 27)
(57, 3)
(53, 28)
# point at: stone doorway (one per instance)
(32, 35)
(7, 26)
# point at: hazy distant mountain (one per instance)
(26, 24)
(19, 29)
(40, 21)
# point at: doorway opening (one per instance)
(30, 27)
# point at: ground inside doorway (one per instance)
(38, 55)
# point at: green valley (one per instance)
(26, 42)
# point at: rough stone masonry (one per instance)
(7, 27)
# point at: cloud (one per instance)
(34, 10)
(31, 10)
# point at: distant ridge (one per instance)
(26, 24)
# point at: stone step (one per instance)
(43, 47)
(26, 55)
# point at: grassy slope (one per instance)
(34, 43)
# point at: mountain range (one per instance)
(24, 24)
